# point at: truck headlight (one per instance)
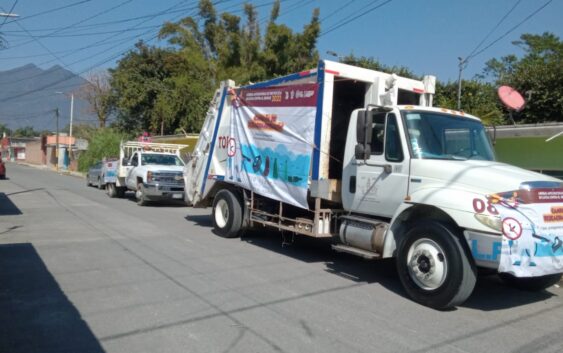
(149, 177)
(492, 222)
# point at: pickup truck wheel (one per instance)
(140, 195)
(112, 192)
(530, 283)
(227, 214)
(100, 185)
(433, 266)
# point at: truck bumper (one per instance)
(485, 248)
(164, 192)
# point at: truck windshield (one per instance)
(160, 159)
(443, 136)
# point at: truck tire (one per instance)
(227, 214)
(434, 267)
(140, 195)
(100, 185)
(120, 191)
(111, 190)
(531, 284)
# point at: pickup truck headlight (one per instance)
(492, 222)
(149, 177)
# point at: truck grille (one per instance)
(169, 178)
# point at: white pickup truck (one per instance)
(152, 170)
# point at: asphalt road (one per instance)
(80, 272)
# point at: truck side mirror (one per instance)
(362, 151)
(364, 127)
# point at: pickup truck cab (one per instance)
(155, 176)
(152, 170)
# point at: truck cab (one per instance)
(155, 176)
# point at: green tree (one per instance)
(163, 89)
(478, 98)
(4, 130)
(104, 143)
(26, 131)
(538, 75)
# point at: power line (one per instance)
(9, 12)
(467, 57)
(81, 72)
(95, 44)
(512, 29)
(39, 42)
(81, 21)
(48, 11)
(335, 27)
(337, 10)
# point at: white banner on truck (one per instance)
(271, 141)
(532, 227)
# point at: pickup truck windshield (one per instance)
(443, 136)
(160, 159)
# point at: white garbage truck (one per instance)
(362, 157)
(152, 170)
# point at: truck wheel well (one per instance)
(416, 213)
(218, 186)
(139, 180)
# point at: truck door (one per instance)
(378, 185)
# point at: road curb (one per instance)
(52, 169)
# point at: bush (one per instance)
(104, 143)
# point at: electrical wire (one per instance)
(48, 11)
(468, 56)
(343, 23)
(123, 3)
(9, 12)
(512, 29)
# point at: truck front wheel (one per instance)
(433, 266)
(140, 195)
(227, 214)
(530, 283)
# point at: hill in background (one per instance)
(28, 97)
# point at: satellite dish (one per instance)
(511, 99)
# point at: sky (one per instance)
(426, 36)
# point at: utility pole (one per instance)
(57, 141)
(70, 130)
(462, 63)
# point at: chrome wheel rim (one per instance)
(221, 213)
(427, 264)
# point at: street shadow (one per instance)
(36, 315)
(130, 196)
(490, 293)
(7, 207)
(319, 250)
(200, 220)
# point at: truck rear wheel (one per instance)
(530, 283)
(433, 266)
(227, 214)
(111, 190)
(140, 195)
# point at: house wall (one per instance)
(34, 153)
